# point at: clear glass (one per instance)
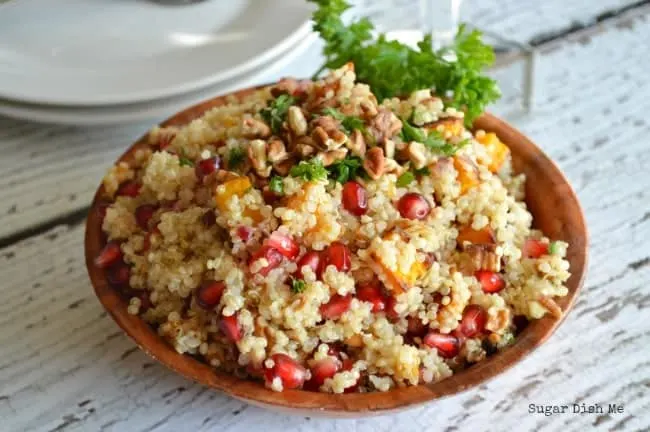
(440, 18)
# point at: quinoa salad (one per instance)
(307, 236)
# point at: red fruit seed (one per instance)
(322, 370)
(130, 189)
(209, 294)
(143, 215)
(391, 313)
(109, 255)
(336, 306)
(415, 326)
(338, 255)
(446, 344)
(413, 206)
(244, 233)
(473, 321)
(272, 255)
(118, 274)
(230, 328)
(290, 372)
(354, 198)
(206, 167)
(311, 259)
(371, 292)
(284, 244)
(534, 248)
(491, 282)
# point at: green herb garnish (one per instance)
(393, 69)
(276, 185)
(405, 179)
(276, 112)
(235, 157)
(183, 161)
(553, 248)
(349, 123)
(434, 141)
(298, 285)
(309, 170)
(346, 169)
(424, 171)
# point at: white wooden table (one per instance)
(64, 365)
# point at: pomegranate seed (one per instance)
(473, 321)
(290, 372)
(143, 215)
(457, 332)
(311, 259)
(491, 282)
(534, 248)
(209, 219)
(272, 255)
(415, 326)
(284, 244)
(230, 328)
(446, 344)
(391, 313)
(336, 306)
(244, 233)
(322, 370)
(354, 198)
(209, 294)
(413, 206)
(371, 292)
(109, 255)
(130, 188)
(118, 274)
(338, 255)
(206, 167)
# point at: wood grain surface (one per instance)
(65, 365)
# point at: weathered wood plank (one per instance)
(65, 366)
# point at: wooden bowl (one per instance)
(550, 199)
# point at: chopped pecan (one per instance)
(305, 150)
(499, 321)
(375, 162)
(328, 139)
(385, 125)
(257, 157)
(284, 167)
(297, 121)
(285, 86)
(393, 167)
(368, 109)
(331, 156)
(254, 128)
(328, 123)
(276, 151)
(417, 155)
(483, 256)
(356, 143)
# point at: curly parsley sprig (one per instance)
(393, 69)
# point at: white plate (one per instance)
(295, 61)
(81, 52)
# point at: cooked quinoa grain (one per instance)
(311, 237)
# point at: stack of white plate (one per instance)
(114, 61)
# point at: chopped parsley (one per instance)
(434, 141)
(185, 161)
(349, 123)
(553, 248)
(310, 170)
(346, 169)
(409, 176)
(393, 69)
(235, 157)
(276, 112)
(405, 179)
(298, 285)
(276, 185)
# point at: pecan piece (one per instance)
(331, 156)
(254, 128)
(276, 151)
(375, 162)
(385, 125)
(328, 139)
(257, 156)
(296, 120)
(483, 256)
(356, 143)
